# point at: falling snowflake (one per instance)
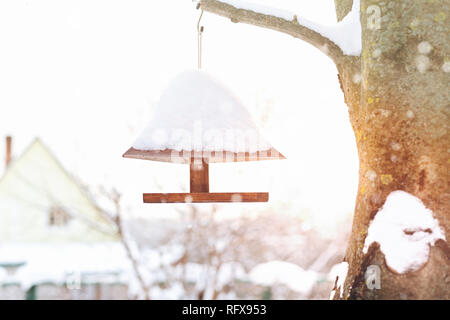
(425, 47)
(357, 78)
(410, 114)
(371, 175)
(395, 146)
(422, 63)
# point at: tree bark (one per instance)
(401, 127)
(399, 107)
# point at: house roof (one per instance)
(105, 226)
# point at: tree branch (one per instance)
(116, 217)
(291, 27)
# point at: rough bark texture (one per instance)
(401, 126)
(342, 8)
(399, 106)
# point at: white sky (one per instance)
(84, 76)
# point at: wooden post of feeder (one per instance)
(199, 175)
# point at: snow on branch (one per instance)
(342, 38)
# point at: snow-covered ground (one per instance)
(281, 272)
(64, 263)
(178, 264)
(73, 265)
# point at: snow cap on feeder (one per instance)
(197, 116)
(197, 121)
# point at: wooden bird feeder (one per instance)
(193, 96)
(199, 175)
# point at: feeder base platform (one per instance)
(205, 197)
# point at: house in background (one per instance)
(51, 231)
(41, 202)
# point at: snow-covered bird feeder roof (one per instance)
(197, 121)
(197, 117)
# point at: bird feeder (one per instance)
(198, 122)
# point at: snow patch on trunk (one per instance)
(340, 271)
(346, 34)
(405, 229)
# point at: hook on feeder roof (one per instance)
(199, 28)
(199, 31)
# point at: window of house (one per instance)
(58, 217)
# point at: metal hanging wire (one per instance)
(199, 39)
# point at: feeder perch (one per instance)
(198, 122)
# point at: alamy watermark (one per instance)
(204, 143)
(373, 277)
(73, 280)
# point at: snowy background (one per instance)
(84, 76)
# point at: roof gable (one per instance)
(37, 180)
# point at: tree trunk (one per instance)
(401, 126)
(399, 107)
